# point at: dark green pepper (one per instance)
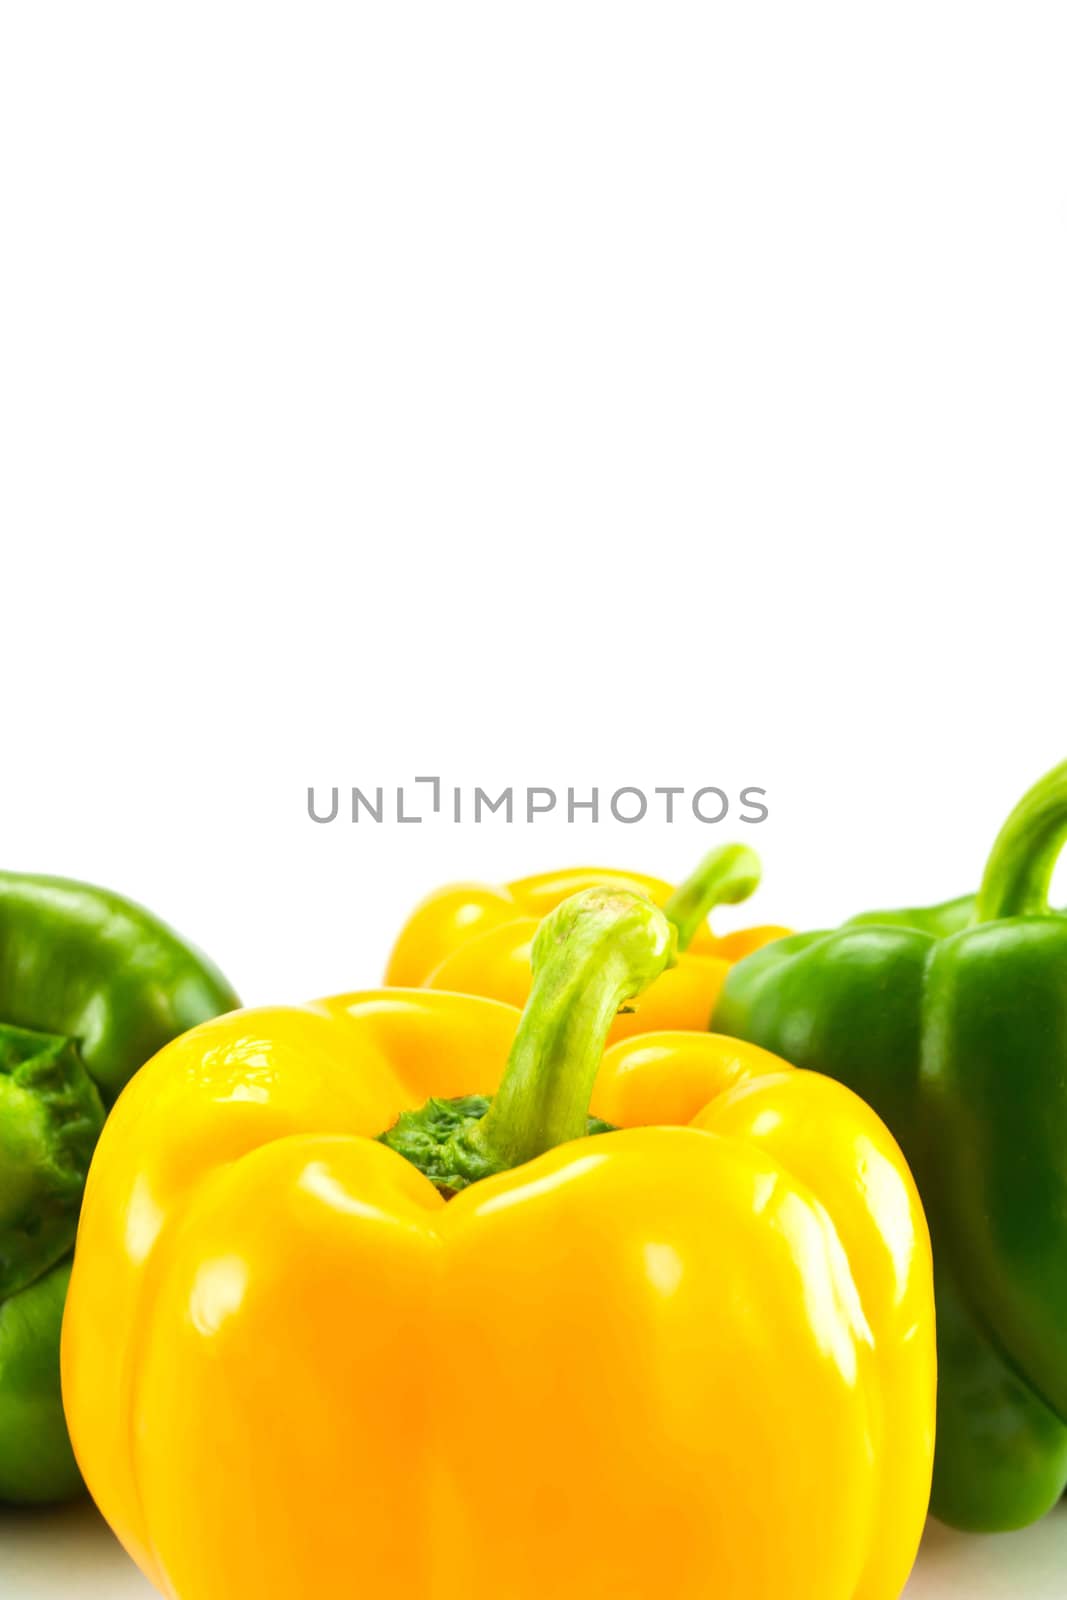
(952, 1024)
(949, 917)
(91, 986)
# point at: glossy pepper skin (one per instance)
(476, 939)
(90, 987)
(683, 1361)
(957, 1036)
(940, 920)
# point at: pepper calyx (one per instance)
(594, 952)
(51, 1116)
(436, 1139)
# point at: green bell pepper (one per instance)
(949, 917)
(91, 986)
(952, 1024)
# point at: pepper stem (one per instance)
(591, 954)
(1018, 874)
(726, 876)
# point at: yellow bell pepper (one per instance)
(658, 1363)
(476, 939)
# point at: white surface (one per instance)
(40, 1554)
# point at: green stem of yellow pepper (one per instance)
(591, 954)
(726, 876)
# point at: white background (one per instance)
(569, 394)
